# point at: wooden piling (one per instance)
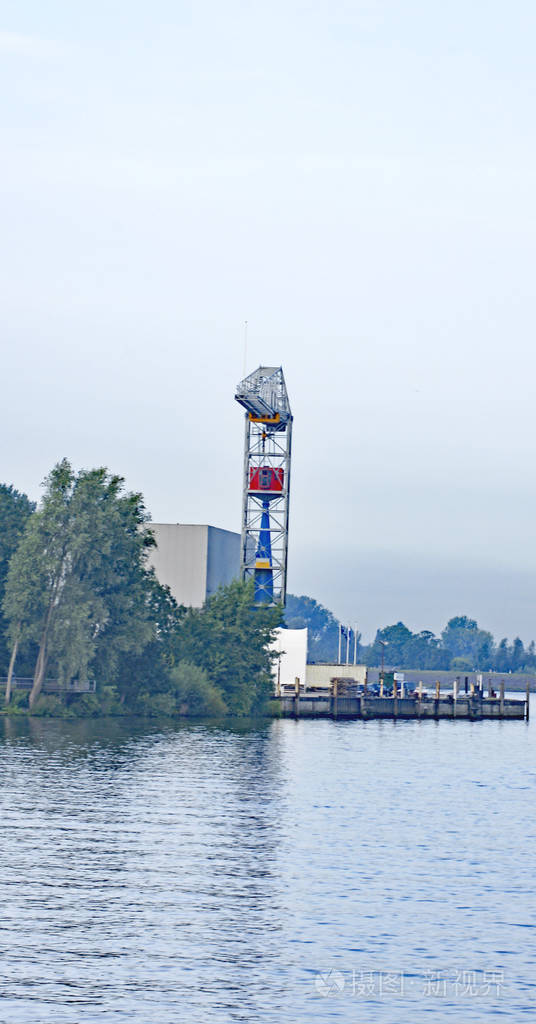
(527, 702)
(437, 697)
(419, 705)
(454, 698)
(296, 697)
(335, 691)
(501, 704)
(395, 698)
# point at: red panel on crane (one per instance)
(266, 479)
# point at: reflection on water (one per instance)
(168, 872)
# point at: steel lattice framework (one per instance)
(265, 503)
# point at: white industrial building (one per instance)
(291, 646)
(291, 664)
(193, 561)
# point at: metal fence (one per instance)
(52, 685)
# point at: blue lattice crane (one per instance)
(265, 503)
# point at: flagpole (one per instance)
(348, 645)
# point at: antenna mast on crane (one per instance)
(265, 501)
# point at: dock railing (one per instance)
(51, 685)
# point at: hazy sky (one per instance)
(356, 179)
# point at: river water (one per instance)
(288, 871)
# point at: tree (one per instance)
(25, 594)
(503, 657)
(78, 576)
(15, 510)
(396, 639)
(323, 627)
(405, 649)
(425, 651)
(138, 675)
(188, 692)
(230, 638)
(461, 665)
(518, 655)
(463, 638)
(486, 652)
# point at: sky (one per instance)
(353, 178)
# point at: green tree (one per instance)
(323, 627)
(425, 651)
(188, 691)
(15, 510)
(461, 665)
(136, 675)
(230, 638)
(486, 651)
(463, 638)
(78, 577)
(503, 657)
(518, 655)
(24, 604)
(405, 649)
(396, 639)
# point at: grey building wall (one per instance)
(223, 558)
(193, 561)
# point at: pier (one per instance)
(473, 707)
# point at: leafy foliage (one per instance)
(15, 510)
(464, 639)
(77, 580)
(188, 691)
(137, 673)
(229, 637)
(323, 636)
(79, 594)
(462, 645)
(78, 597)
(404, 648)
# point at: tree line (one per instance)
(80, 603)
(462, 644)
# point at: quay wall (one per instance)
(363, 707)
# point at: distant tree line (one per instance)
(462, 645)
(79, 602)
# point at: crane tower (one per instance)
(265, 502)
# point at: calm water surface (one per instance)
(300, 871)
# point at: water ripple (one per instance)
(304, 871)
